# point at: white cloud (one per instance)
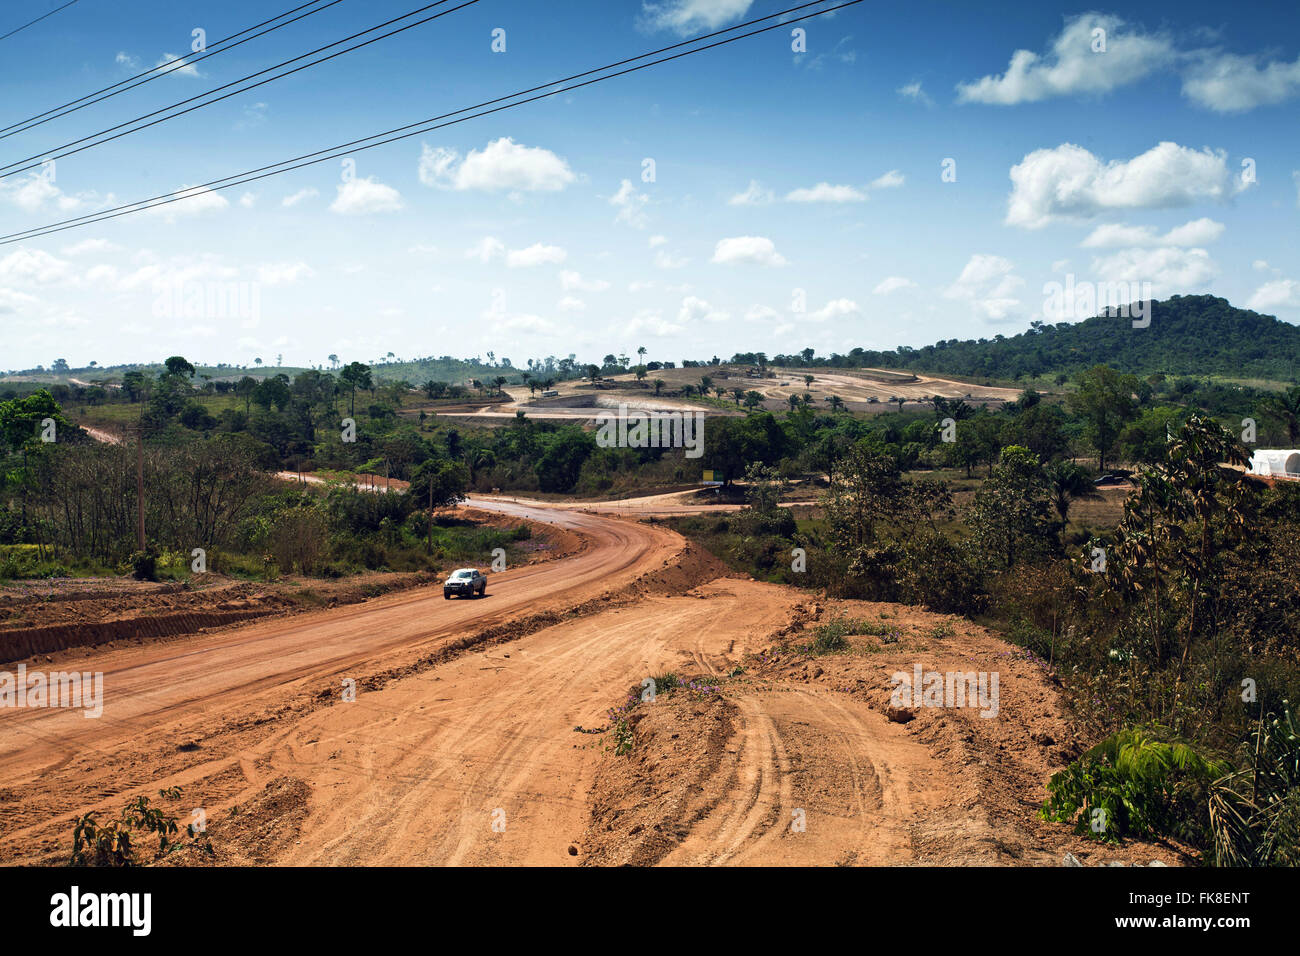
(300, 196)
(695, 309)
(1169, 270)
(1259, 265)
(360, 197)
(1231, 83)
(891, 180)
(572, 281)
(486, 249)
(1069, 182)
(834, 309)
(914, 91)
(666, 260)
(523, 322)
(630, 205)
(1278, 293)
(754, 195)
(825, 192)
(691, 16)
(1198, 232)
(535, 255)
(501, 165)
(195, 202)
(281, 273)
(571, 303)
(758, 250)
(32, 266)
(35, 191)
(248, 200)
(657, 241)
(188, 70)
(892, 284)
(89, 245)
(652, 322)
(989, 284)
(1072, 67)
(761, 313)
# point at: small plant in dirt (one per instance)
(829, 638)
(624, 740)
(941, 630)
(1136, 784)
(114, 842)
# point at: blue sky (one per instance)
(798, 199)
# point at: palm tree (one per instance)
(1068, 481)
(658, 383)
(808, 380)
(706, 382)
(792, 401)
(1285, 407)
(640, 353)
(737, 394)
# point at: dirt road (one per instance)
(462, 745)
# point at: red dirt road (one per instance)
(461, 745)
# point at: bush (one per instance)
(144, 564)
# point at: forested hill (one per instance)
(1188, 335)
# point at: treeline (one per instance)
(1195, 335)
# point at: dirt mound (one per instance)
(643, 804)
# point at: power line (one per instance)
(38, 19)
(168, 67)
(45, 155)
(335, 152)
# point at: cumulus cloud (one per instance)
(1280, 293)
(1232, 83)
(825, 192)
(695, 309)
(571, 303)
(754, 195)
(1170, 270)
(1071, 66)
(892, 284)
(359, 197)
(630, 205)
(890, 180)
(834, 309)
(535, 255)
(691, 16)
(486, 249)
(1069, 182)
(989, 284)
(757, 250)
(32, 267)
(1198, 232)
(501, 165)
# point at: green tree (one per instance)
(1105, 402)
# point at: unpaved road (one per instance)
(468, 754)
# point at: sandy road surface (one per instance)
(56, 761)
(474, 757)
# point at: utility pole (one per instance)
(139, 486)
(428, 545)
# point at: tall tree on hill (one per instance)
(355, 375)
(1105, 400)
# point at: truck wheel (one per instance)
(446, 596)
